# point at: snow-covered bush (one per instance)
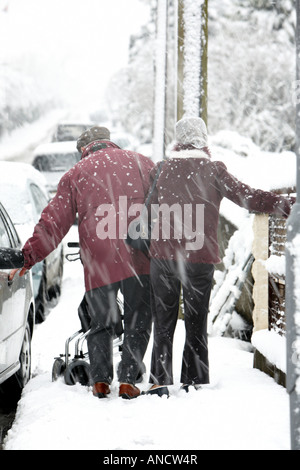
(251, 72)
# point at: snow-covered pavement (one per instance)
(241, 409)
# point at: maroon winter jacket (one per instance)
(190, 179)
(93, 188)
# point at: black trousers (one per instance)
(167, 277)
(105, 317)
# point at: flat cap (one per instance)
(92, 134)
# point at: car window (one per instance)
(40, 201)
(56, 162)
(120, 141)
(67, 132)
(4, 237)
(19, 206)
(12, 231)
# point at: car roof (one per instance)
(75, 123)
(56, 147)
(19, 173)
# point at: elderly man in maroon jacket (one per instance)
(101, 189)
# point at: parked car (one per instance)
(23, 193)
(123, 139)
(17, 314)
(67, 131)
(53, 160)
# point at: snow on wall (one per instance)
(275, 265)
(259, 169)
(272, 346)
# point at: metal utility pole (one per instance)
(204, 59)
(180, 59)
(293, 280)
(159, 143)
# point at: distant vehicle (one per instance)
(124, 140)
(17, 316)
(53, 160)
(23, 193)
(66, 131)
(70, 131)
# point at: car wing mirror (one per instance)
(11, 258)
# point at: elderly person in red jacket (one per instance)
(184, 248)
(101, 188)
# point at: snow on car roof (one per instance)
(18, 174)
(71, 122)
(56, 147)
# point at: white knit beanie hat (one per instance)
(191, 130)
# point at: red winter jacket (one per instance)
(190, 179)
(98, 188)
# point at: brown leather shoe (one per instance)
(129, 391)
(101, 390)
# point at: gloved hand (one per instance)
(13, 272)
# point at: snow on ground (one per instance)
(241, 409)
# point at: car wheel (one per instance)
(11, 389)
(24, 374)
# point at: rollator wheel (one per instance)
(58, 369)
(78, 371)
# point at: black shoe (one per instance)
(185, 387)
(159, 391)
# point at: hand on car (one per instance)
(13, 272)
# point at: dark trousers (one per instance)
(167, 277)
(105, 316)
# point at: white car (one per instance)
(124, 140)
(70, 130)
(17, 315)
(23, 193)
(53, 160)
